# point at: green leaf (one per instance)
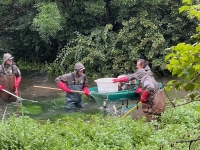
(178, 86)
(198, 15)
(170, 55)
(198, 28)
(171, 82)
(197, 67)
(187, 2)
(192, 12)
(198, 108)
(176, 71)
(189, 86)
(174, 62)
(191, 70)
(183, 8)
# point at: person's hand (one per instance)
(86, 91)
(1, 87)
(138, 90)
(122, 79)
(144, 96)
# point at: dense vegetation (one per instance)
(114, 33)
(90, 31)
(178, 129)
(183, 59)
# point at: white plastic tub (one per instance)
(106, 85)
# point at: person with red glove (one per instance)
(8, 68)
(75, 80)
(1, 87)
(142, 64)
(148, 89)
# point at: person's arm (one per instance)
(17, 79)
(16, 85)
(61, 83)
(122, 79)
(86, 91)
(85, 86)
(148, 88)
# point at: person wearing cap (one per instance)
(75, 80)
(9, 68)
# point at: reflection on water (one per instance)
(43, 103)
(46, 104)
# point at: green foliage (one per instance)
(144, 34)
(27, 65)
(180, 127)
(48, 20)
(183, 59)
(37, 32)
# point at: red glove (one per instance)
(144, 96)
(1, 87)
(138, 90)
(64, 87)
(16, 92)
(122, 79)
(86, 91)
(17, 82)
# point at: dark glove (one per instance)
(86, 91)
(122, 79)
(1, 87)
(64, 87)
(144, 96)
(138, 90)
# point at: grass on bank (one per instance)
(178, 129)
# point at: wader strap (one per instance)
(4, 70)
(73, 77)
(84, 80)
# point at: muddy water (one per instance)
(44, 103)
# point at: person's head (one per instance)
(7, 59)
(78, 68)
(141, 63)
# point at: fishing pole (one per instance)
(18, 98)
(44, 87)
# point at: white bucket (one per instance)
(106, 85)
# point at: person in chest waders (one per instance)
(76, 80)
(130, 78)
(10, 78)
(151, 97)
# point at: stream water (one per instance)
(43, 103)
